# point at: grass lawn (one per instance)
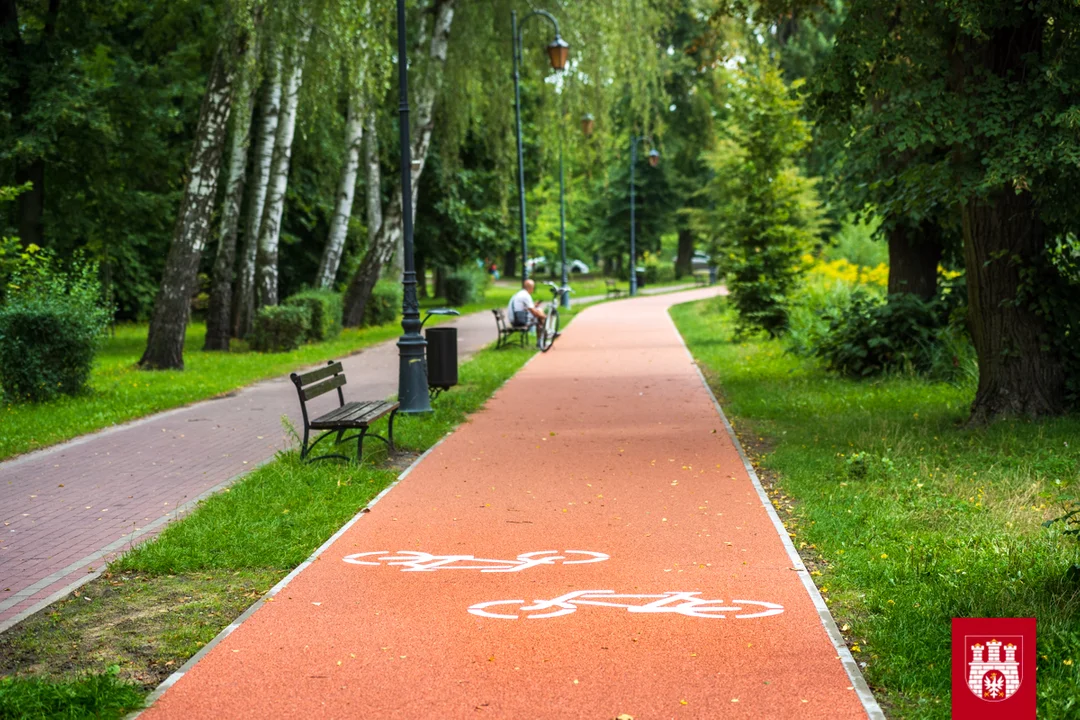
(100, 651)
(909, 517)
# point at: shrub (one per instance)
(873, 336)
(464, 287)
(50, 326)
(326, 311)
(280, 328)
(384, 305)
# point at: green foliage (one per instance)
(280, 328)
(855, 242)
(384, 305)
(873, 336)
(97, 696)
(50, 327)
(326, 310)
(1050, 287)
(763, 215)
(464, 287)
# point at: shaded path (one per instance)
(609, 450)
(69, 509)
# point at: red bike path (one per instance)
(611, 444)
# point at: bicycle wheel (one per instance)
(551, 327)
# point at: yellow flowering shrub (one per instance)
(845, 271)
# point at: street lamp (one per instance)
(558, 52)
(412, 368)
(654, 160)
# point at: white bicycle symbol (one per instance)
(683, 603)
(413, 561)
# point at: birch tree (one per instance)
(165, 342)
(244, 312)
(270, 226)
(220, 309)
(339, 225)
(380, 251)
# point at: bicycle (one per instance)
(550, 330)
(689, 604)
(416, 561)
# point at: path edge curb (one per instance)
(862, 689)
(281, 584)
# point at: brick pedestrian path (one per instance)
(67, 510)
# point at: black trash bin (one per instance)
(640, 279)
(442, 367)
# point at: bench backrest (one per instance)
(609, 282)
(319, 382)
(500, 318)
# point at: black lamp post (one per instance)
(558, 51)
(654, 160)
(412, 368)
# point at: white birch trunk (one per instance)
(390, 231)
(165, 342)
(373, 179)
(219, 312)
(339, 225)
(270, 227)
(264, 155)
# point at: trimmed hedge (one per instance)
(464, 287)
(384, 305)
(50, 327)
(281, 328)
(326, 310)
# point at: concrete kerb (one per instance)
(283, 583)
(858, 682)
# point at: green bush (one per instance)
(872, 335)
(326, 311)
(50, 327)
(464, 287)
(280, 328)
(384, 305)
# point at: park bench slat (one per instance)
(343, 413)
(355, 415)
(323, 372)
(314, 391)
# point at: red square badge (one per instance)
(993, 668)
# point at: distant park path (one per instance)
(69, 509)
(589, 544)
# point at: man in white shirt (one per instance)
(522, 311)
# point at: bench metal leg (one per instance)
(390, 433)
(360, 445)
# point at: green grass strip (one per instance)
(94, 696)
(910, 517)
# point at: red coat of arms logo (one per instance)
(994, 667)
(993, 664)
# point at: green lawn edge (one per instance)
(907, 517)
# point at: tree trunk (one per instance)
(244, 315)
(440, 281)
(339, 226)
(685, 258)
(509, 264)
(356, 297)
(914, 256)
(1018, 372)
(219, 312)
(165, 343)
(266, 263)
(32, 203)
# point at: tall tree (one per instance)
(978, 93)
(266, 266)
(244, 305)
(339, 226)
(219, 313)
(165, 342)
(380, 251)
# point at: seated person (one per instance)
(522, 311)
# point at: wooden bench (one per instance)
(701, 279)
(343, 418)
(613, 290)
(507, 330)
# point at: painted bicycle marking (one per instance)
(682, 603)
(414, 561)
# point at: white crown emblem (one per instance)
(990, 676)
